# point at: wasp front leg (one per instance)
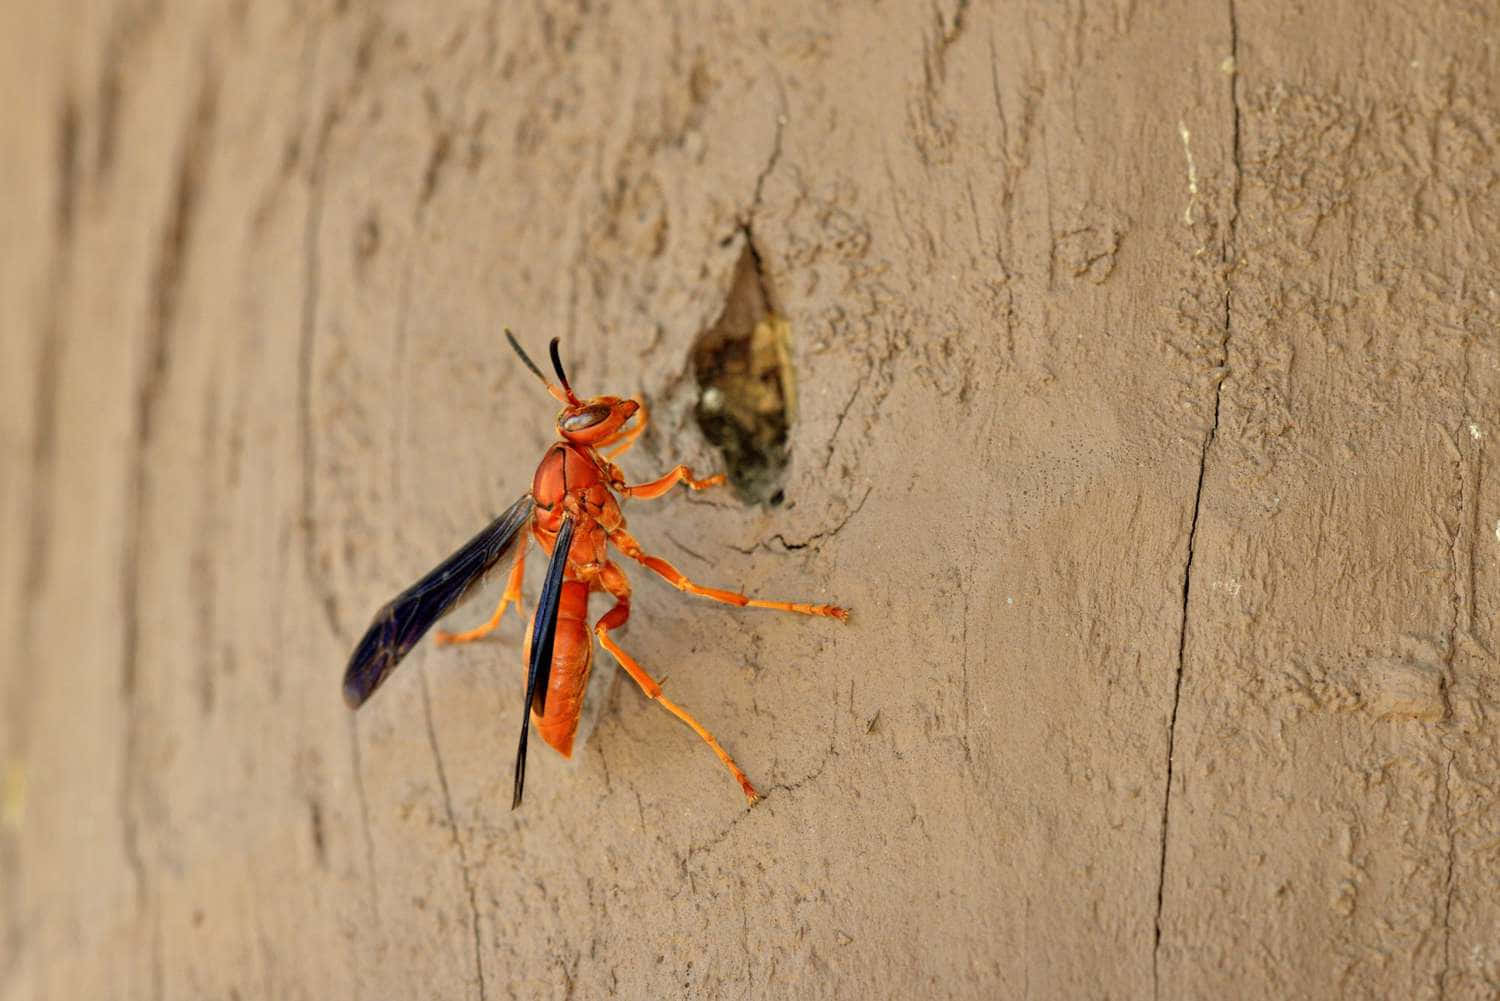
(625, 438)
(511, 596)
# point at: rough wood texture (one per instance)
(1146, 363)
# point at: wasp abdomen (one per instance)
(572, 656)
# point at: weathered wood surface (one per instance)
(1146, 356)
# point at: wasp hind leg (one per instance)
(614, 582)
(626, 543)
(511, 596)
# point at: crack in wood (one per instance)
(1228, 251)
(177, 234)
(306, 349)
(1448, 879)
(458, 844)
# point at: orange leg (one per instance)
(626, 543)
(627, 437)
(512, 595)
(614, 582)
(682, 474)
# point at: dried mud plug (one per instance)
(747, 396)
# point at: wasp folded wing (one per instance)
(402, 621)
(543, 637)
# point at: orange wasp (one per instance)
(574, 516)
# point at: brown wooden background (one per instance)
(1146, 360)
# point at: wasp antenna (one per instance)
(557, 367)
(524, 356)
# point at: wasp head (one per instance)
(583, 422)
(593, 420)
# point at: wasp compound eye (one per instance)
(585, 418)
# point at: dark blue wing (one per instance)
(404, 619)
(543, 634)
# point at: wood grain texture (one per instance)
(1146, 365)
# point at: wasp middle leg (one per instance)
(614, 582)
(626, 543)
(511, 596)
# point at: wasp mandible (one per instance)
(573, 515)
